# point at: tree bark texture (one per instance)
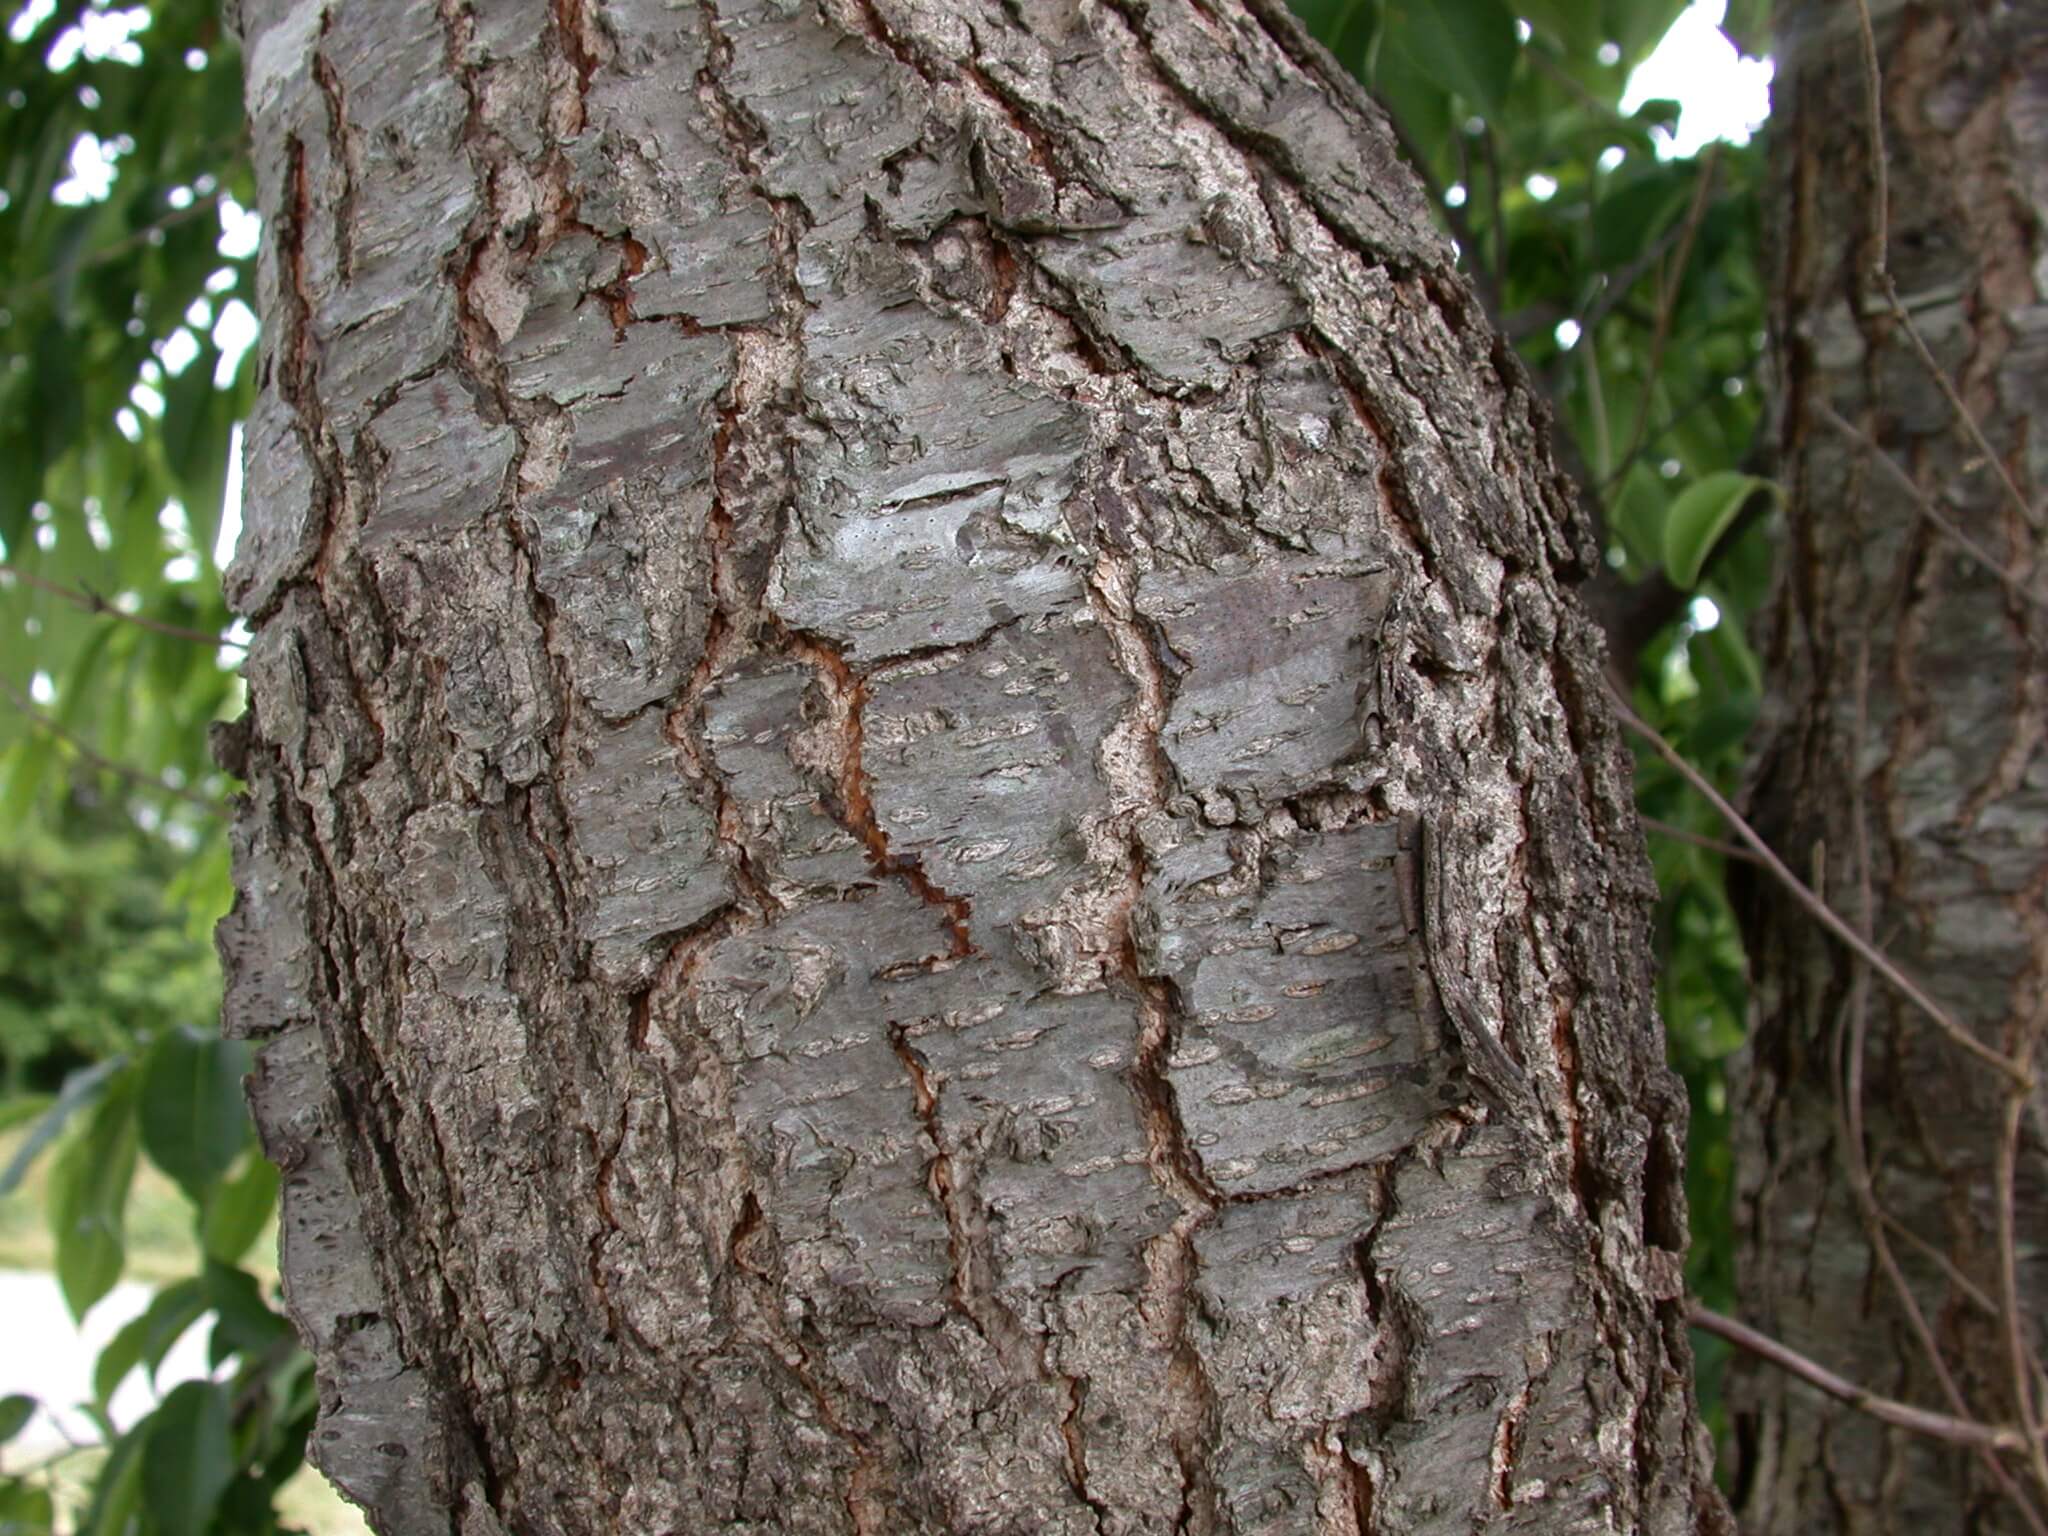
(930, 844)
(1906, 745)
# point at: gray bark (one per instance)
(1911, 695)
(930, 843)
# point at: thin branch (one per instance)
(1500, 223)
(100, 255)
(1925, 504)
(134, 776)
(1969, 1288)
(1954, 397)
(1873, 99)
(1940, 1426)
(1461, 227)
(1596, 404)
(92, 602)
(1614, 291)
(1704, 398)
(1817, 908)
(1880, 271)
(1862, 1186)
(1726, 850)
(1667, 300)
(2021, 1359)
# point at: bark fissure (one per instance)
(891, 589)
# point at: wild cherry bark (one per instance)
(1901, 766)
(931, 842)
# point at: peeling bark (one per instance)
(931, 845)
(1910, 688)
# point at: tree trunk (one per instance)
(930, 845)
(1903, 764)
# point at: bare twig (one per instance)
(1461, 227)
(1667, 299)
(113, 248)
(1862, 1185)
(1940, 1426)
(1500, 223)
(1880, 271)
(1925, 504)
(1726, 850)
(1817, 908)
(1964, 414)
(1880, 193)
(92, 602)
(1596, 405)
(134, 776)
(1941, 1261)
(2020, 1358)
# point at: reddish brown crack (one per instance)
(850, 801)
(972, 1290)
(580, 44)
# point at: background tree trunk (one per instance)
(1910, 687)
(929, 846)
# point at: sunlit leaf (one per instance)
(1699, 515)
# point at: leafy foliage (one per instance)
(124, 269)
(115, 402)
(98, 950)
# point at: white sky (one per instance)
(1724, 96)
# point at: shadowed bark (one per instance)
(1906, 746)
(931, 846)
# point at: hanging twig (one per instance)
(1714, 844)
(1667, 300)
(134, 776)
(1813, 904)
(1940, 1426)
(1925, 503)
(1495, 201)
(113, 248)
(92, 602)
(1880, 271)
(1862, 1185)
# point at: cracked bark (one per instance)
(930, 846)
(1944, 758)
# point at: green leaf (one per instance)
(1467, 46)
(19, 1112)
(194, 1120)
(25, 1508)
(238, 1208)
(1748, 25)
(245, 1324)
(15, 1412)
(187, 1461)
(146, 1339)
(88, 1202)
(81, 1088)
(1699, 516)
(119, 1488)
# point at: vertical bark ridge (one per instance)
(923, 854)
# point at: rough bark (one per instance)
(1906, 741)
(930, 846)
